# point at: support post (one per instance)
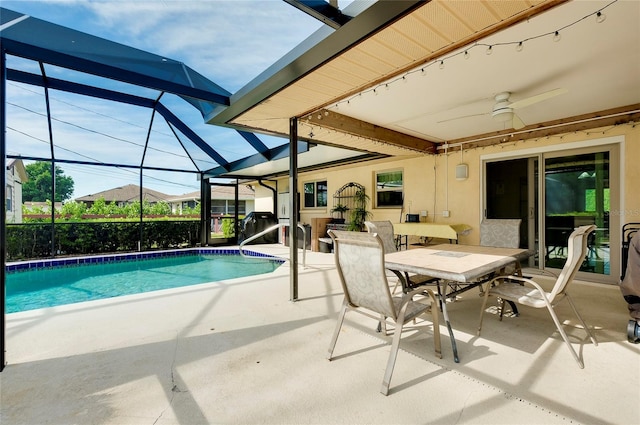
(53, 162)
(141, 222)
(205, 211)
(3, 206)
(293, 210)
(236, 213)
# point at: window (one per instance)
(9, 199)
(222, 206)
(315, 194)
(389, 189)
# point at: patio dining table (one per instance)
(460, 266)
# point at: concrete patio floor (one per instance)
(239, 352)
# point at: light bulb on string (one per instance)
(557, 36)
(600, 17)
(519, 47)
(441, 64)
(466, 54)
(489, 50)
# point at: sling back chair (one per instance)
(359, 260)
(526, 292)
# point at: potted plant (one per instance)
(359, 214)
(340, 209)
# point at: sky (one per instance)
(229, 42)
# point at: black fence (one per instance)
(33, 240)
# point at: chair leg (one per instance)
(386, 381)
(586, 328)
(334, 338)
(484, 305)
(564, 336)
(435, 319)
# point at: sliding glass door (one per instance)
(557, 192)
(578, 193)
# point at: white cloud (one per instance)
(229, 42)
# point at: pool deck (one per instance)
(239, 352)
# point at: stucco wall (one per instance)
(430, 182)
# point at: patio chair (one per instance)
(526, 292)
(501, 233)
(384, 230)
(360, 262)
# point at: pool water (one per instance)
(53, 286)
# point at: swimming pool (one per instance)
(49, 283)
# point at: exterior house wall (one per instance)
(430, 183)
(14, 193)
(263, 201)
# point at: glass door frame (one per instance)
(615, 145)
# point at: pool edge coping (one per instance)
(18, 266)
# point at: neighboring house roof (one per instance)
(128, 193)
(218, 193)
(19, 168)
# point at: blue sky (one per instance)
(229, 42)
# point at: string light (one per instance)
(489, 48)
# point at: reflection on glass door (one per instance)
(577, 193)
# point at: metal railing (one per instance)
(271, 229)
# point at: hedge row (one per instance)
(33, 240)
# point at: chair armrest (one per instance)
(419, 291)
(517, 279)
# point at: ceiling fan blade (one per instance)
(537, 98)
(462, 117)
(517, 122)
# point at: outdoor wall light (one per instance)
(462, 172)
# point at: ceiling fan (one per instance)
(504, 110)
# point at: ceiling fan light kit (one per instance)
(501, 110)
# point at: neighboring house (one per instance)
(16, 175)
(222, 200)
(124, 195)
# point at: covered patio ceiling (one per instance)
(408, 78)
